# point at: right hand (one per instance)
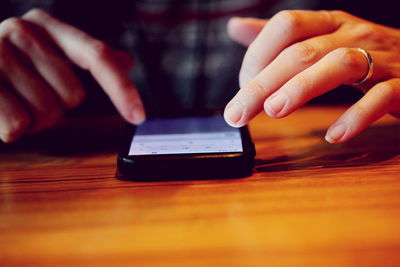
(37, 83)
(298, 55)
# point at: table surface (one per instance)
(308, 203)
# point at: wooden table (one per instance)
(308, 203)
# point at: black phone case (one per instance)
(187, 166)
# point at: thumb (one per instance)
(245, 30)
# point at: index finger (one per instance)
(282, 30)
(96, 57)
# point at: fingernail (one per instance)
(336, 132)
(233, 113)
(138, 116)
(275, 104)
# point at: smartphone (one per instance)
(196, 147)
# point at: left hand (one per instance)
(298, 55)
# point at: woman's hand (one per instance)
(37, 83)
(298, 55)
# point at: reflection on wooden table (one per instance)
(308, 203)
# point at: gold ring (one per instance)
(370, 67)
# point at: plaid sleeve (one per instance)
(184, 56)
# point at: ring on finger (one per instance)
(370, 67)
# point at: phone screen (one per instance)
(186, 135)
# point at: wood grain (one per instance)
(308, 203)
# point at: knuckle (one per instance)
(349, 58)
(391, 89)
(390, 92)
(20, 33)
(359, 110)
(339, 13)
(303, 85)
(36, 13)
(329, 15)
(304, 53)
(366, 28)
(367, 31)
(251, 66)
(288, 20)
(74, 99)
(100, 50)
(244, 78)
(254, 89)
(251, 60)
(14, 24)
